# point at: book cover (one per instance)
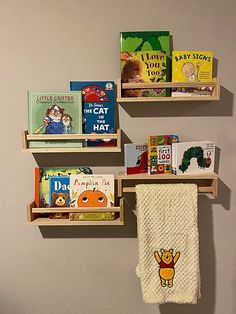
(160, 153)
(59, 191)
(193, 157)
(91, 216)
(148, 41)
(143, 67)
(55, 113)
(136, 158)
(98, 100)
(192, 66)
(42, 176)
(92, 190)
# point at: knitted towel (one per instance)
(168, 264)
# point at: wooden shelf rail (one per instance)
(63, 137)
(35, 215)
(215, 84)
(207, 183)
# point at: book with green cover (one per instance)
(147, 41)
(144, 67)
(55, 113)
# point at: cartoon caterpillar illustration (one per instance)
(195, 152)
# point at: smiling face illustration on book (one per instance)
(92, 190)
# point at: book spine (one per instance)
(126, 155)
(36, 186)
(174, 158)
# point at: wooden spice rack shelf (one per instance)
(215, 84)
(207, 183)
(36, 215)
(82, 137)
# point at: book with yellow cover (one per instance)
(192, 66)
(143, 67)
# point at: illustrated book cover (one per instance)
(148, 41)
(143, 67)
(192, 66)
(55, 113)
(59, 191)
(98, 100)
(92, 190)
(42, 176)
(136, 158)
(160, 153)
(193, 157)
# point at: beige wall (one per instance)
(88, 270)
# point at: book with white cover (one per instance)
(193, 157)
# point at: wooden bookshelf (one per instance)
(215, 84)
(207, 182)
(36, 215)
(26, 137)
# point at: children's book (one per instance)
(59, 191)
(91, 216)
(136, 158)
(193, 157)
(92, 190)
(192, 66)
(55, 113)
(147, 41)
(42, 176)
(160, 153)
(143, 67)
(98, 99)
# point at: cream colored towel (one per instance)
(168, 264)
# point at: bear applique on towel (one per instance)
(167, 266)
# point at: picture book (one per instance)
(143, 67)
(148, 41)
(42, 176)
(55, 113)
(59, 191)
(193, 157)
(91, 216)
(192, 66)
(160, 153)
(98, 100)
(92, 190)
(136, 158)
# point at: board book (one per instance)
(160, 153)
(148, 41)
(143, 67)
(92, 190)
(136, 158)
(91, 216)
(42, 176)
(55, 113)
(98, 100)
(59, 191)
(192, 66)
(193, 157)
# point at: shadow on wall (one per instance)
(128, 230)
(83, 159)
(207, 267)
(222, 107)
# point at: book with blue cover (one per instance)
(98, 103)
(59, 191)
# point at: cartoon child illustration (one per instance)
(53, 120)
(66, 120)
(190, 71)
